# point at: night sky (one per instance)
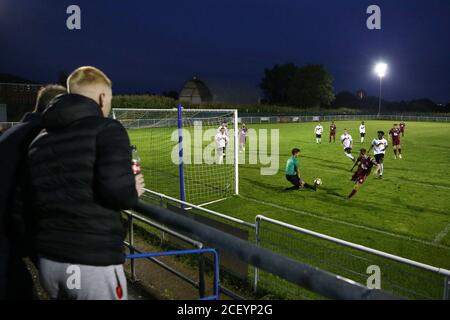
(157, 45)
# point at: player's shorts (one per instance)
(332, 134)
(295, 180)
(318, 136)
(360, 176)
(348, 150)
(402, 129)
(379, 157)
(362, 134)
(396, 142)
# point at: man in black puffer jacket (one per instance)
(81, 174)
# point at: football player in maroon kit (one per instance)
(365, 164)
(402, 128)
(395, 137)
(333, 131)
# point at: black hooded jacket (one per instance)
(81, 177)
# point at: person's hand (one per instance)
(139, 180)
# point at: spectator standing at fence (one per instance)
(81, 175)
(333, 131)
(15, 222)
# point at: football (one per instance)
(318, 181)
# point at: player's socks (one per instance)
(381, 169)
(348, 155)
(395, 154)
(352, 193)
(400, 153)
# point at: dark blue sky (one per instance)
(157, 45)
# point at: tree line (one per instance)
(311, 86)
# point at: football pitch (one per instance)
(406, 214)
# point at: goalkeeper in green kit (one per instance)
(292, 172)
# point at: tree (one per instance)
(276, 82)
(346, 99)
(311, 86)
(170, 94)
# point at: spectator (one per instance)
(15, 281)
(81, 176)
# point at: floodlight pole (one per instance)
(379, 99)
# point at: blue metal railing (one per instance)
(215, 295)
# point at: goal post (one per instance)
(179, 153)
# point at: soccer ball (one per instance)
(318, 181)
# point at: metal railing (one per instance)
(311, 278)
(338, 117)
(444, 273)
(296, 244)
(130, 244)
(147, 255)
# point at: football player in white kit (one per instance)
(379, 146)
(225, 127)
(347, 143)
(318, 130)
(362, 131)
(221, 142)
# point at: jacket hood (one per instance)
(68, 108)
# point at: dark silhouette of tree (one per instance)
(346, 99)
(311, 86)
(276, 82)
(170, 94)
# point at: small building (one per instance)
(231, 92)
(195, 91)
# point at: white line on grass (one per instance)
(430, 185)
(395, 235)
(441, 235)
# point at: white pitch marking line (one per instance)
(433, 244)
(441, 235)
(430, 185)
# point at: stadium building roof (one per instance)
(195, 91)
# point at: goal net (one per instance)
(204, 173)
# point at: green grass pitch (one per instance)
(407, 213)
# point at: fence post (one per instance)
(131, 240)
(201, 273)
(257, 239)
(446, 288)
(163, 234)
